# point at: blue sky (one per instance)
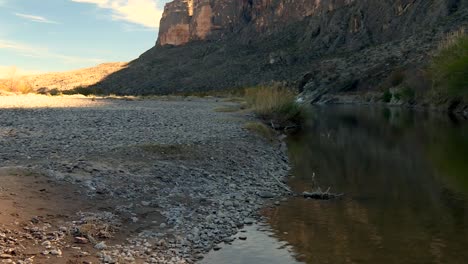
(58, 35)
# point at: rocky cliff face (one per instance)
(322, 46)
(190, 20)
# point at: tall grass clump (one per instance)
(17, 87)
(274, 103)
(449, 67)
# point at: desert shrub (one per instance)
(449, 67)
(407, 93)
(275, 103)
(17, 86)
(387, 96)
(261, 129)
(86, 91)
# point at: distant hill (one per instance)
(66, 80)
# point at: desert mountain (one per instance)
(322, 47)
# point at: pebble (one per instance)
(266, 194)
(214, 212)
(56, 252)
(249, 221)
(100, 246)
(81, 240)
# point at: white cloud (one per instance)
(40, 52)
(143, 12)
(34, 18)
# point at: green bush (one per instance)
(387, 96)
(408, 93)
(449, 67)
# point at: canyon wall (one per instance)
(320, 46)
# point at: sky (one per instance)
(38, 36)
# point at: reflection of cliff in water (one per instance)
(405, 183)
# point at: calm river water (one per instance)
(405, 179)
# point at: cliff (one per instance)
(321, 46)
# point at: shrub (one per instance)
(86, 91)
(274, 103)
(387, 96)
(261, 129)
(18, 87)
(407, 93)
(449, 67)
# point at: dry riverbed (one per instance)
(86, 180)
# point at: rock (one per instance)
(249, 221)
(56, 252)
(228, 239)
(242, 237)
(100, 246)
(5, 256)
(266, 194)
(163, 225)
(81, 240)
(108, 259)
(216, 248)
(145, 203)
(277, 203)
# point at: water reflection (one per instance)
(405, 175)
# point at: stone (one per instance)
(249, 221)
(56, 252)
(266, 194)
(100, 246)
(242, 237)
(81, 240)
(228, 239)
(216, 248)
(5, 256)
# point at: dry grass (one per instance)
(261, 129)
(274, 103)
(16, 87)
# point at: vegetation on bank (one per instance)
(261, 129)
(449, 67)
(442, 82)
(275, 104)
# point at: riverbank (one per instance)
(157, 181)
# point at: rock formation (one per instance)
(322, 46)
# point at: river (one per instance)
(404, 175)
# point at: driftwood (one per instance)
(284, 128)
(320, 195)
